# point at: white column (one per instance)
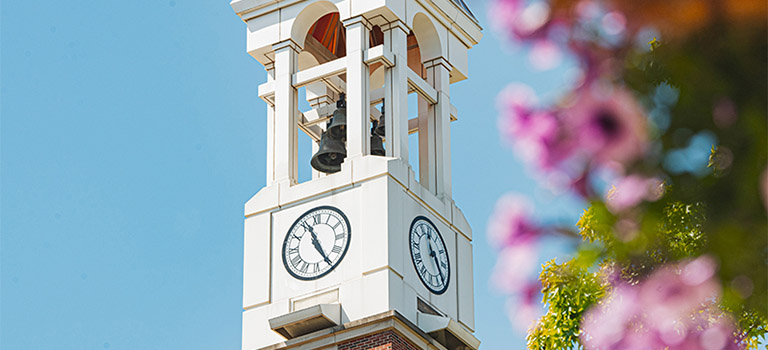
(438, 75)
(286, 112)
(270, 68)
(358, 107)
(427, 155)
(396, 91)
(319, 95)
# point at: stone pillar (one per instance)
(358, 107)
(427, 155)
(396, 91)
(286, 113)
(270, 68)
(438, 75)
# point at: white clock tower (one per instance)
(367, 254)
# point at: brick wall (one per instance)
(388, 340)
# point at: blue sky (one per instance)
(131, 136)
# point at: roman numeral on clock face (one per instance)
(429, 255)
(316, 243)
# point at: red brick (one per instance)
(387, 340)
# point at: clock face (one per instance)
(316, 243)
(429, 255)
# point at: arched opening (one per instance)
(326, 39)
(428, 38)
(424, 44)
(414, 55)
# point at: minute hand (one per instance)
(434, 258)
(316, 243)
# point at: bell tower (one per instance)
(372, 251)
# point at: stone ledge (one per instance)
(307, 320)
(390, 320)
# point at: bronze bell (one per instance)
(377, 146)
(331, 154)
(379, 130)
(338, 127)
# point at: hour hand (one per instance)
(316, 243)
(319, 249)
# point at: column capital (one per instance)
(396, 24)
(288, 43)
(440, 61)
(357, 19)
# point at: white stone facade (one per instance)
(380, 195)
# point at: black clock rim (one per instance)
(447, 256)
(343, 254)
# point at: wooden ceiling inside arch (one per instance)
(329, 32)
(326, 40)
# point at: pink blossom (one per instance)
(515, 266)
(511, 222)
(610, 126)
(607, 325)
(527, 310)
(630, 190)
(545, 55)
(515, 103)
(535, 134)
(673, 292)
(502, 12)
(519, 20)
(614, 23)
(672, 309)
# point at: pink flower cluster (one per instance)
(631, 190)
(515, 234)
(522, 21)
(600, 124)
(672, 309)
(599, 129)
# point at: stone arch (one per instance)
(429, 40)
(307, 17)
(307, 60)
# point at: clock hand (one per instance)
(316, 243)
(434, 258)
(437, 264)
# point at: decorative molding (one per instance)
(286, 43)
(357, 19)
(396, 24)
(439, 61)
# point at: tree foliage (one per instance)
(679, 123)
